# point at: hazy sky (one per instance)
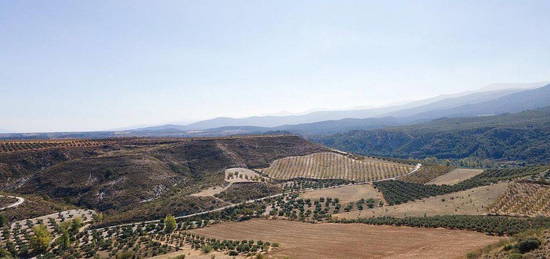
(91, 65)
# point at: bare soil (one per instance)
(330, 240)
(455, 176)
(476, 201)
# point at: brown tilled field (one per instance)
(329, 240)
(349, 193)
(330, 165)
(475, 201)
(455, 176)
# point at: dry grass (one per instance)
(475, 201)
(328, 240)
(210, 192)
(329, 165)
(455, 176)
(524, 199)
(349, 193)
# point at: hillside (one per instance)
(509, 137)
(137, 174)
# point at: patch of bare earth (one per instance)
(455, 176)
(348, 193)
(211, 191)
(476, 201)
(330, 240)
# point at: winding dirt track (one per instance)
(19, 201)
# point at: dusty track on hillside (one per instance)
(19, 201)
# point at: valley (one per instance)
(278, 190)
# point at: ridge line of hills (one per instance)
(470, 105)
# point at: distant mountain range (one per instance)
(469, 104)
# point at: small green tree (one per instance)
(169, 223)
(5, 254)
(3, 220)
(76, 224)
(41, 239)
(98, 217)
(64, 240)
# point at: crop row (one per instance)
(496, 225)
(13, 146)
(328, 165)
(396, 192)
(524, 199)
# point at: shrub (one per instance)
(528, 245)
(206, 249)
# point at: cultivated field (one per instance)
(349, 193)
(475, 201)
(455, 176)
(328, 240)
(524, 199)
(329, 165)
(25, 145)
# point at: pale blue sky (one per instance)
(92, 65)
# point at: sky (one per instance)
(96, 65)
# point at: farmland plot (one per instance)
(25, 145)
(524, 199)
(456, 176)
(475, 201)
(347, 193)
(328, 165)
(330, 240)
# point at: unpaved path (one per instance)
(19, 201)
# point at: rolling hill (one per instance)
(140, 174)
(520, 136)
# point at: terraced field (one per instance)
(524, 199)
(329, 165)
